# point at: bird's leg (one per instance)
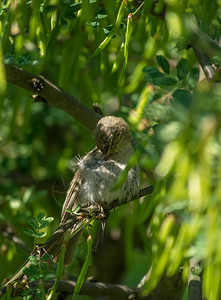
(103, 213)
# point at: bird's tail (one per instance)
(68, 235)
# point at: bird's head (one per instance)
(112, 135)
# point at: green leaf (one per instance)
(114, 30)
(182, 69)
(70, 11)
(33, 271)
(33, 223)
(69, 211)
(153, 75)
(29, 232)
(41, 216)
(175, 207)
(170, 131)
(163, 63)
(34, 260)
(128, 34)
(78, 207)
(59, 272)
(76, 7)
(46, 222)
(101, 14)
(3, 81)
(154, 25)
(193, 77)
(40, 234)
(182, 44)
(152, 72)
(63, 23)
(164, 81)
(83, 273)
(183, 97)
(46, 257)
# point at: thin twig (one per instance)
(7, 232)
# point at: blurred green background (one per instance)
(141, 68)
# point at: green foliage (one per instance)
(37, 271)
(37, 224)
(59, 274)
(137, 66)
(163, 63)
(84, 270)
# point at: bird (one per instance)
(94, 180)
(95, 176)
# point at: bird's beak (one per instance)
(110, 147)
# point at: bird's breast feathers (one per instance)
(99, 178)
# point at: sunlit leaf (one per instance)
(46, 222)
(29, 232)
(33, 222)
(114, 30)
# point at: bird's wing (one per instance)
(72, 196)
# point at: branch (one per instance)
(205, 62)
(8, 233)
(89, 212)
(50, 93)
(194, 282)
(88, 288)
(92, 211)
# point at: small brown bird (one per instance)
(93, 183)
(96, 175)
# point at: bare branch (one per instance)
(45, 91)
(88, 288)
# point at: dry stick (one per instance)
(92, 211)
(45, 91)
